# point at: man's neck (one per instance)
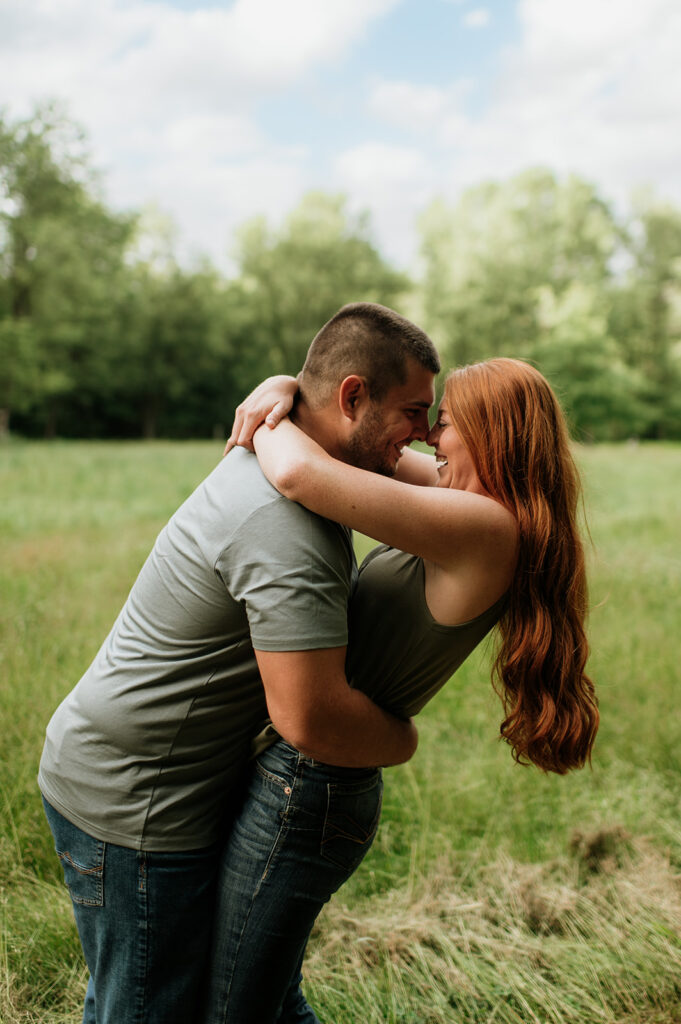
(317, 424)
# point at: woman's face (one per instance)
(454, 465)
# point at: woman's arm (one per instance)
(274, 398)
(439, 524)
(416, 468)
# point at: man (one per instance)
(239, 614)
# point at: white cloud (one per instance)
(169, 96)
(219, 137)
(392, 182)
(294, 34)
(170, 99)
(254, 44)
(146, 62)
(422, 109)
(375, 163)
(477, 18)
(211, 200)
(590, 88)
(584, 30)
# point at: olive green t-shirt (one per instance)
(398, 653)
(148, 748)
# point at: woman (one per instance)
(493, 540)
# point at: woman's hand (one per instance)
(268, 403)
(290, 459)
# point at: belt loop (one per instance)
(303, 763)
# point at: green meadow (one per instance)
(493, 893)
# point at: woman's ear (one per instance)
(352, 394)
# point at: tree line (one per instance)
(104, 333)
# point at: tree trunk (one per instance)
(149, 417)
(51, 422)
(4, 424)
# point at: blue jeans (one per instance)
(144, 921)
(302, 831)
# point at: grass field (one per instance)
(493, 893)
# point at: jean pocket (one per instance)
(352, 816)
(275, 778)
(81, 857)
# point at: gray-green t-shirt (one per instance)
(398, 654)
(146, 750)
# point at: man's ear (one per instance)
(352, 394)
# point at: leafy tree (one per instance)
(603, 397)
(295, 279)
(485, 257)
(103, 332)
(171, 332)
(61, 252)
(18, 367)
(647, 309)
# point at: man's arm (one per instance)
(315, 710)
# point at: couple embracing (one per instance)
(215, 775)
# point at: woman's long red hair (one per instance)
(512, 425)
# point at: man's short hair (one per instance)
(367, 339)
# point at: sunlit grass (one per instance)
(467, 838)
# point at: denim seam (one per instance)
(265, 774)
(256, 892)
(298, 774)
(290, 791)
(331, 830)
(142, 936)
(354, 788)
(96, 872)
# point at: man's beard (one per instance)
(361, 450)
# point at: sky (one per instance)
(218, 110)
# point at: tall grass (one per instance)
(493, 893)
(590, 937)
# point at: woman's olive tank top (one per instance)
(398, 654)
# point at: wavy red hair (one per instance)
(513, 427)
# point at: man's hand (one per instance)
(268, 403)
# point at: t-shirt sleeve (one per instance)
(293, 572)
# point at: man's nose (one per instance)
(433, 435)
(420, 428)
